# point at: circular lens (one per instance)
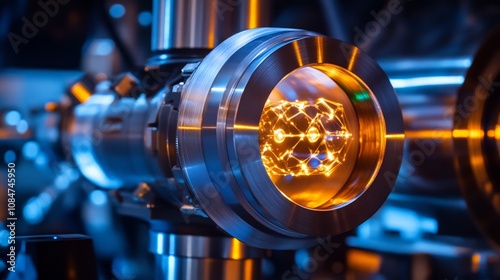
(308, 136)
(476, 138)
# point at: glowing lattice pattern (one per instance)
(303, 138)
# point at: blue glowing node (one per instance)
(30, 150)
(32, 212)
(22, 127)
(98, 197)
(117, 10)
(314, 163)
(12, 118)
(4, 238)
(145, 18)
(9, 156)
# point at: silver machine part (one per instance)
(193, 257)
(109, 129)
(225, 142)
(219, 171)
(213, 167)
(192, 24)
(426, 90)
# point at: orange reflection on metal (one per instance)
(339, 200)
(80, 92)
(212, 29)
(246, 127)
(248, 268)
(188, 128)
(245, 269)
(253, 18)
(395, 136)
(298, 53)
(428, 134)
(319, 52)
(353, 59)
(363, 261)
(475, 262)
(236, 250)
(494, 133)
(468, 133)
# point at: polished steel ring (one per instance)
(220, 140)
(476, 136)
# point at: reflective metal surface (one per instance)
(179, 24)
(218, 137)
(476, 138)
(425, 230)
(191, 257)
(196, 246)
(175, 268)
(107, 130)
(426, 90)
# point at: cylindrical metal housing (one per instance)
(108, 130)
(191, 257)
(220, 132)
(192, 24)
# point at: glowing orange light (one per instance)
(475, 262)
(80, 92)
(364, 261)
(50, 107)
(303, 138)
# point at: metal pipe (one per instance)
(451, 121)
(192, 257)
(203, 24)
(426, 91)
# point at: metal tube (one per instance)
(426, 91)
(193, 257)
(203, 24)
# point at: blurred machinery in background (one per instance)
(229, 151)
